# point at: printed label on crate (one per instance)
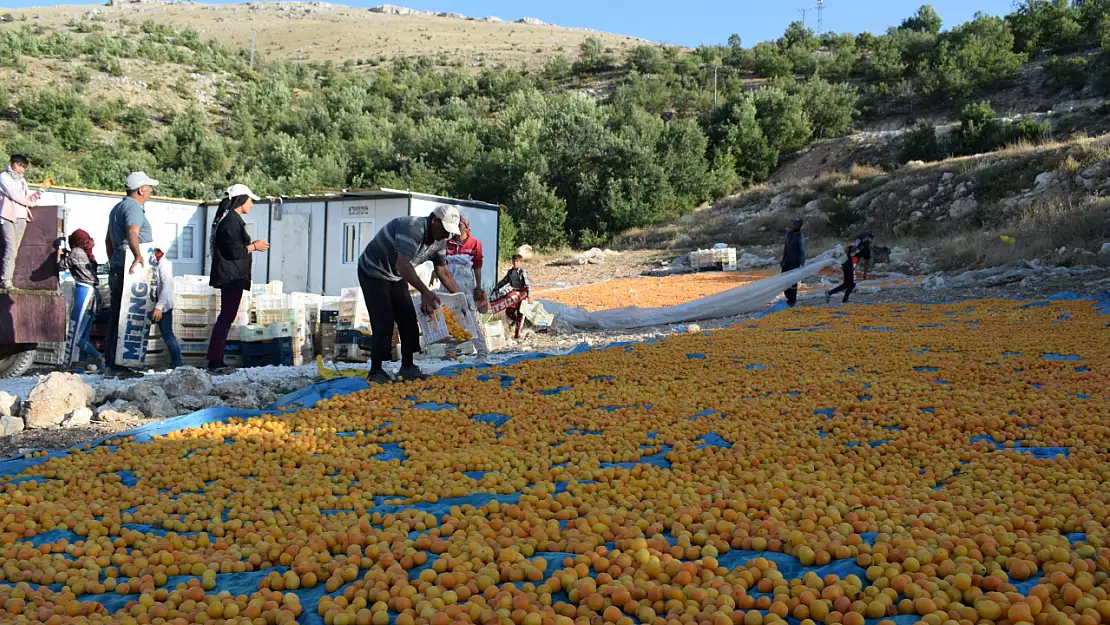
(134, 319)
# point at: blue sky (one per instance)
(689, 22)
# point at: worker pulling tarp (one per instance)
(743, 299)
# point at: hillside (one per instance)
(582, 136)
(321, 31)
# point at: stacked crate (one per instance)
(352, 342)
(723, 258)
(327, 333)
(196, 306)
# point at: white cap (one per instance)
(449, 215)
(138, 179)
(236, 190)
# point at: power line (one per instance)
(820, 16)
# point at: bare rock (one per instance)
(77, 418)
(963, 207)
(119, 411)
(264, 395)
(531, 21)
(187, 381)
(9, 405)
(105, 392)
(151, 400)
(54, 397)
(812, 207)
(1105, 250)
(947, 177)
(192, 403)
(526, 252)
(1046, 179)
(923, 191)
(10, 425)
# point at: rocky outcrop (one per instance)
(55, 396)
(187, 381)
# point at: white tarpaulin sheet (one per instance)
(743, 299)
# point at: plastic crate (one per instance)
(270, 288)
(51, 354)
(433, 328)
(270, 301)
(194, 318)
(287, 315)
(252, 334)
(193, 346)
(193, 333)
(193, 285)
(195, 302)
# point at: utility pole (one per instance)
(820, 16)
(803, 12)
(254, 34)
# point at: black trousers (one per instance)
(115, 285)
(791, 293)
(389, 304)
(849, 283)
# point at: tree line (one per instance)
(570, 165)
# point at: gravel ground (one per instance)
(549, 342)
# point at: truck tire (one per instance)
(15, 360)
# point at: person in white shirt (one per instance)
(15, 203)
(163, 305)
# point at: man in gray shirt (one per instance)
(387, 268)
(128, 228)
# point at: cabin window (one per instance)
(356, 236)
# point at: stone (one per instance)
(264, 395)
(917, 216)
(187, 381)
(151, 400)
(1105, 250)
(1046, 179)
(526, 252)
(812, 207)
(9, 405)
(77, 418)
(10, 425)
(963, 207)
(963, 189)
(948, 176)
(105, 392)
(119, 411)
(531, 21)
(921, 192)
(192, 403)
(55, 396)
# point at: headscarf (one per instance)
(464, 227)
(81, 239)
(227, 204)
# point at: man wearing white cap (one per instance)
(385, 271)
(128, 228)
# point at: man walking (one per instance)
(793, 257)
(387, 268)
(128, 228)
(15, 214)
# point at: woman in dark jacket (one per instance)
(231, 265)
(81, 264)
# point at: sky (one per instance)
(687, 22)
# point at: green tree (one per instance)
(829, 107)
(926, 20)
(1045, 24)
(735, 135)
(782, 119)
(592, 56)
(541, 214)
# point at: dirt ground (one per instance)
(307, 31)
(543, 272)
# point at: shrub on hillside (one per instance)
(921, 144)
(1068, 73)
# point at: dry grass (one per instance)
(1038, 232)
(860, 171)
(338, 33)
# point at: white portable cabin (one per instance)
(315, 241)
(176, 221)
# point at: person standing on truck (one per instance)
(81, 264)
(15, 204)
(163, 305)
(793, 257)
(128, 228)
(387, 268)
(231, 265)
